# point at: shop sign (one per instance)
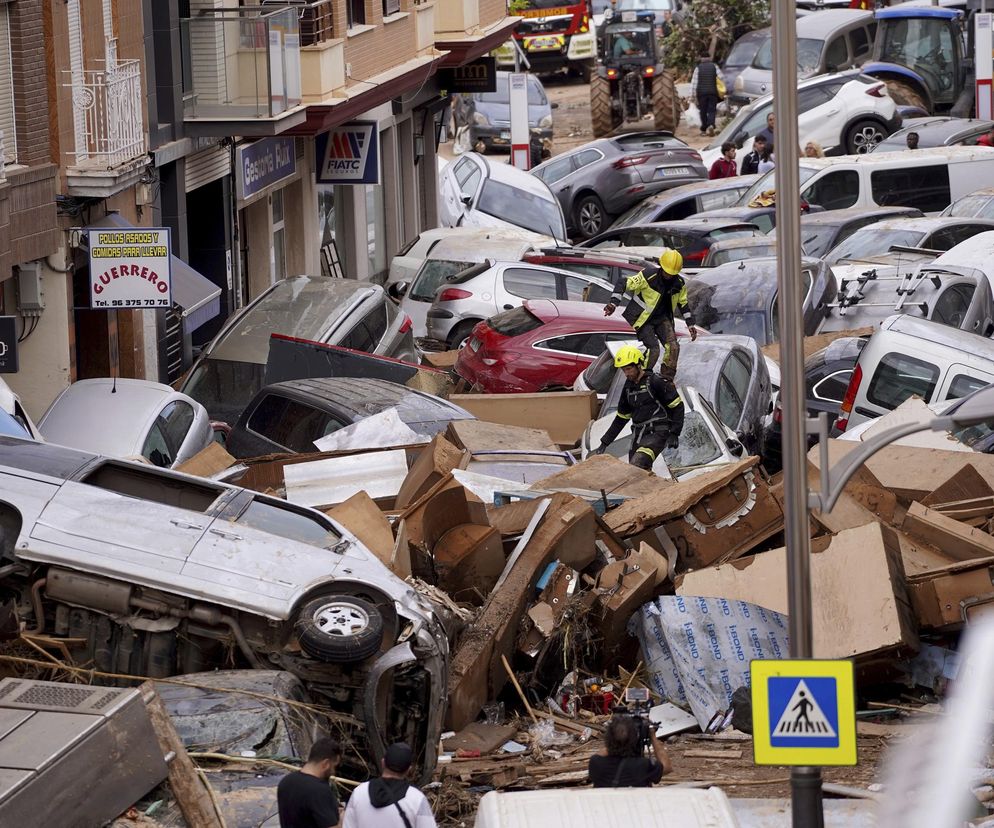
(8, 345)
(264, 163)
(478, 76)
(349, 154)
(130, 268)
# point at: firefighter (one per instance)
(657, 294)
(652, 404)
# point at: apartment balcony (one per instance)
(111, 146)
(470, 29)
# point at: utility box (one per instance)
(73, 754)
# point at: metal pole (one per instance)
(805, 783)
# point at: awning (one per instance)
(197, 295)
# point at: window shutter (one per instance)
(6, 91)
(78, 80)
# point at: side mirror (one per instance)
(221, 431)
(740, 139)
(466, 199)
(734, 446)
(397, 290)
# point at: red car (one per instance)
(540, 346)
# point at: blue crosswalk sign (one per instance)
(805, 712)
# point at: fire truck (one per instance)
(554, 35)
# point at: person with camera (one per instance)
(621, 763)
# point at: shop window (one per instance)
(279, 236)
(376, 229)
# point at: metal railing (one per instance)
(244, 62)
(3, 159)
(110, 130)
(315, 18)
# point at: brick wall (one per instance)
(491, 11)
(381, 48)
(27, 51)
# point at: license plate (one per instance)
(543, 44)
(474, 344)
(505, 136)
(663, 172)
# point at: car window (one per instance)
(287, 522)
(587, 156)
(733, 386)
(597, 271)
(530, 284)
(156, 449)
(429, 279)
(953, 304)
(514, 322)
(224, 387)
(601, 372)
(837, 54)
(376, 322)
(367, 332)
(813, 96)
(581, 290)
(926, 188)
(521, 208)
(469, 185)
(764, 221)
(729, 404)
(680, 210)
(571, 344)
(860, 42)
(291, 424)
(835, 191)
(722, 198)
(963, 385)
(974, 206)
(556, 169)
(650, 238)
(833, 387)
(949, 237)
(145, 484)
(462, 170)
(899, 377)
(176, 419)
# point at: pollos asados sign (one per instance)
(349, 154)
(130, 268)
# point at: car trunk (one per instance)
(664, 163)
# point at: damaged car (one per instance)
(157, 573)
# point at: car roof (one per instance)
(939, 130)
(744, 241)
(926, 224)
(43, 458)
(115, 414)
(845, 347)
(827, 21)
(701, 361)
(580, 312)
(748, 283)
(696, 223)
(906, 158)
(937, 333)
(508, 174)
(301, 306)
(481, 247)
(840, 217)
(976, 251)
(365, 396)
(703, 186)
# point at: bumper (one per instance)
(624, 198)
(492, 379)
(496, 136)
(894, 124)
(440, 322)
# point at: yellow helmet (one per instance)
(671, 261)
(629, 355)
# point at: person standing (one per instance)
(704, 87)
(750, 164)
(651, 403)
(813, 149)
(304, 798)
(912, 140)
(667, 28)
(658, 293)
(766, 133)
(390, 801)
(620, 763)
(725, 167)
(767, 160)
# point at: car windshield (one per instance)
(646, 5)
(503, 93)
(750, 323)
(628, 40)
(739, 254)
(521, 208)
(641, 213)
(975, 206)
(815, 241)
(697, 446)
(768, 182)
(433, 272)
(11, 427)
(872, 241)
(808, 55)
(743, 52)
(599, 375)
(225, 387)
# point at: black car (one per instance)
(822, 231)
(937, 131)
(290, 416)
(606, 177)
(826, 378)
(687, 200)
(741, 297)
(692, 237)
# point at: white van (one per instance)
(914, 357)
(929, 179)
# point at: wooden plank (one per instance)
(701, 753)
(953, 539)
(192, 797)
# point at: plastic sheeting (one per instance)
(383, 430)
(698, 650)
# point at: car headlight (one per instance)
(480, 119)
(739, 84)
(546, 122)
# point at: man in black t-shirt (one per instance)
(620, 765)
(305, 798)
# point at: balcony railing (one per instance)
(245, 62)
(108, 105)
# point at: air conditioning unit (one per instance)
(73, 754)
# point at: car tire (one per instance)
(460, 334)
(863, 137)
(339, 628)
(589, 216)
(665, 102)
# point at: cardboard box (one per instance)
(478, 435)
(565, 414)
(949, 596)
(364, 519)
(952, 538)
(437, 460)
(208, 461)
(602, 471)
(623, 587)
(468, 561)
(860, 603)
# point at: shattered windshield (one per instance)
(697, 446)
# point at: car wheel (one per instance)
(863, 137)
(339, 628)
(460, 335)
(590, 217)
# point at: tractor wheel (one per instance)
(602, 119)
(665, 102)
(905, 95)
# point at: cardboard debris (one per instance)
(480, 736)
(954, 539)
(442, 360)
(948, 597)
(623, 586)
(336, 479)
(543, 618)
(966, 484)
(813, 344)
(208, 461)
(512, 518)
(437, 460)
(913, 410)
(364, 519)
(602, 471)
(860, 604)
(382, 430)
(468, 561)
(476, 435)
(400, 560)
(566, 414)
(863, 501)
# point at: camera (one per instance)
(637, 704)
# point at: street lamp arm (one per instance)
(835, 481)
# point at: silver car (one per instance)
(157, 573)
(344, 312)
(479, 292)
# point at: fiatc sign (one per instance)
(349, 154)
(130, 268)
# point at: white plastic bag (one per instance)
(691, 116)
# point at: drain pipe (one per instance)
(37, 608)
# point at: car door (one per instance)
(176, 424)
(555, 173)
(261, 554)
(819, 116)
(733, 394)
(129, 521)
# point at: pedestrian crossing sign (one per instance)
(803, 712)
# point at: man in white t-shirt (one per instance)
(390, 801)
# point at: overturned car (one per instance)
(160, 573)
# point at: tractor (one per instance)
(630, 81)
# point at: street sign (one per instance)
(130, 268)
(803, 712)
(349, 154)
